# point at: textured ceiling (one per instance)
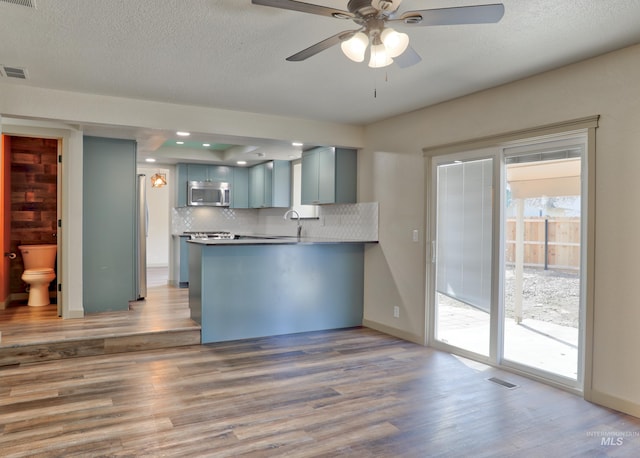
(231, 54)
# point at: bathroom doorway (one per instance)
(30, 207)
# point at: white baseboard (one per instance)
(74, 314)
(613, 402)
(394, 332)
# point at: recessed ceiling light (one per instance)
(150, 159)
(179, 143)
(297, 143)
(183, 134)
(241, 162)
(206, 144)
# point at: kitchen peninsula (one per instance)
(254, 287)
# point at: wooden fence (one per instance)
(560, 236)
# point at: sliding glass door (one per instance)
(507, 256)
(463, 253)
(542, 260)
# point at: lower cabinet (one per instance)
(183, 274)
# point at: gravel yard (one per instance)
(549, 295)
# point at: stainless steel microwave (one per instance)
(208, 193)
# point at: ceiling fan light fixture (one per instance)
(379, 56)
(355, 47)
(395, 42)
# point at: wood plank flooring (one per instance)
(31, 334)
(351, 392)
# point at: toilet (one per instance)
(39, 262)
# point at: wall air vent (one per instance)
(27, 3)
(13, 72)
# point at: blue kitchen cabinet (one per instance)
(256, 186)
(270, 185)
(240, 188)
(206, 172)
(182, 176)
(183, 274)
(200, 172)
(329, 176)
(293, 288)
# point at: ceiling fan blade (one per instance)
(408, 58)
(321, 46)
(305, 8)
(477, 14)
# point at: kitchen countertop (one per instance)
(274, 240)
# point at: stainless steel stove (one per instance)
(205, 235)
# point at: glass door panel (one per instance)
(464, 214)
(542, 261)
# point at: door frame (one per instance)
(69, 236)
(464, 156)
(5, 224)
(586, 126)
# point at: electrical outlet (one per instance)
(396, 312)
(415, 235)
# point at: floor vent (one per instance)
(27, 3)
(13, 72)
(502, 382)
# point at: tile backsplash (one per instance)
(344, 221)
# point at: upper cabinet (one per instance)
(329, 176)
(200, 172)
(261, 186)
(240, 188)
(270, 185)
(204, 172)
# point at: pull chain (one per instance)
(375, 84)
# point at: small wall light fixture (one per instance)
(158, 180)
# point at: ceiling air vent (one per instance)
(13, 72)
(27, 3)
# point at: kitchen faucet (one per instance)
(297, 215)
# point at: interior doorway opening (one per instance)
(158, 233)
(31, 183)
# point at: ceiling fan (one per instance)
(385, 45)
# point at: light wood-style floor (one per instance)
(36, 334)
(165, 308)
(350, 392)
